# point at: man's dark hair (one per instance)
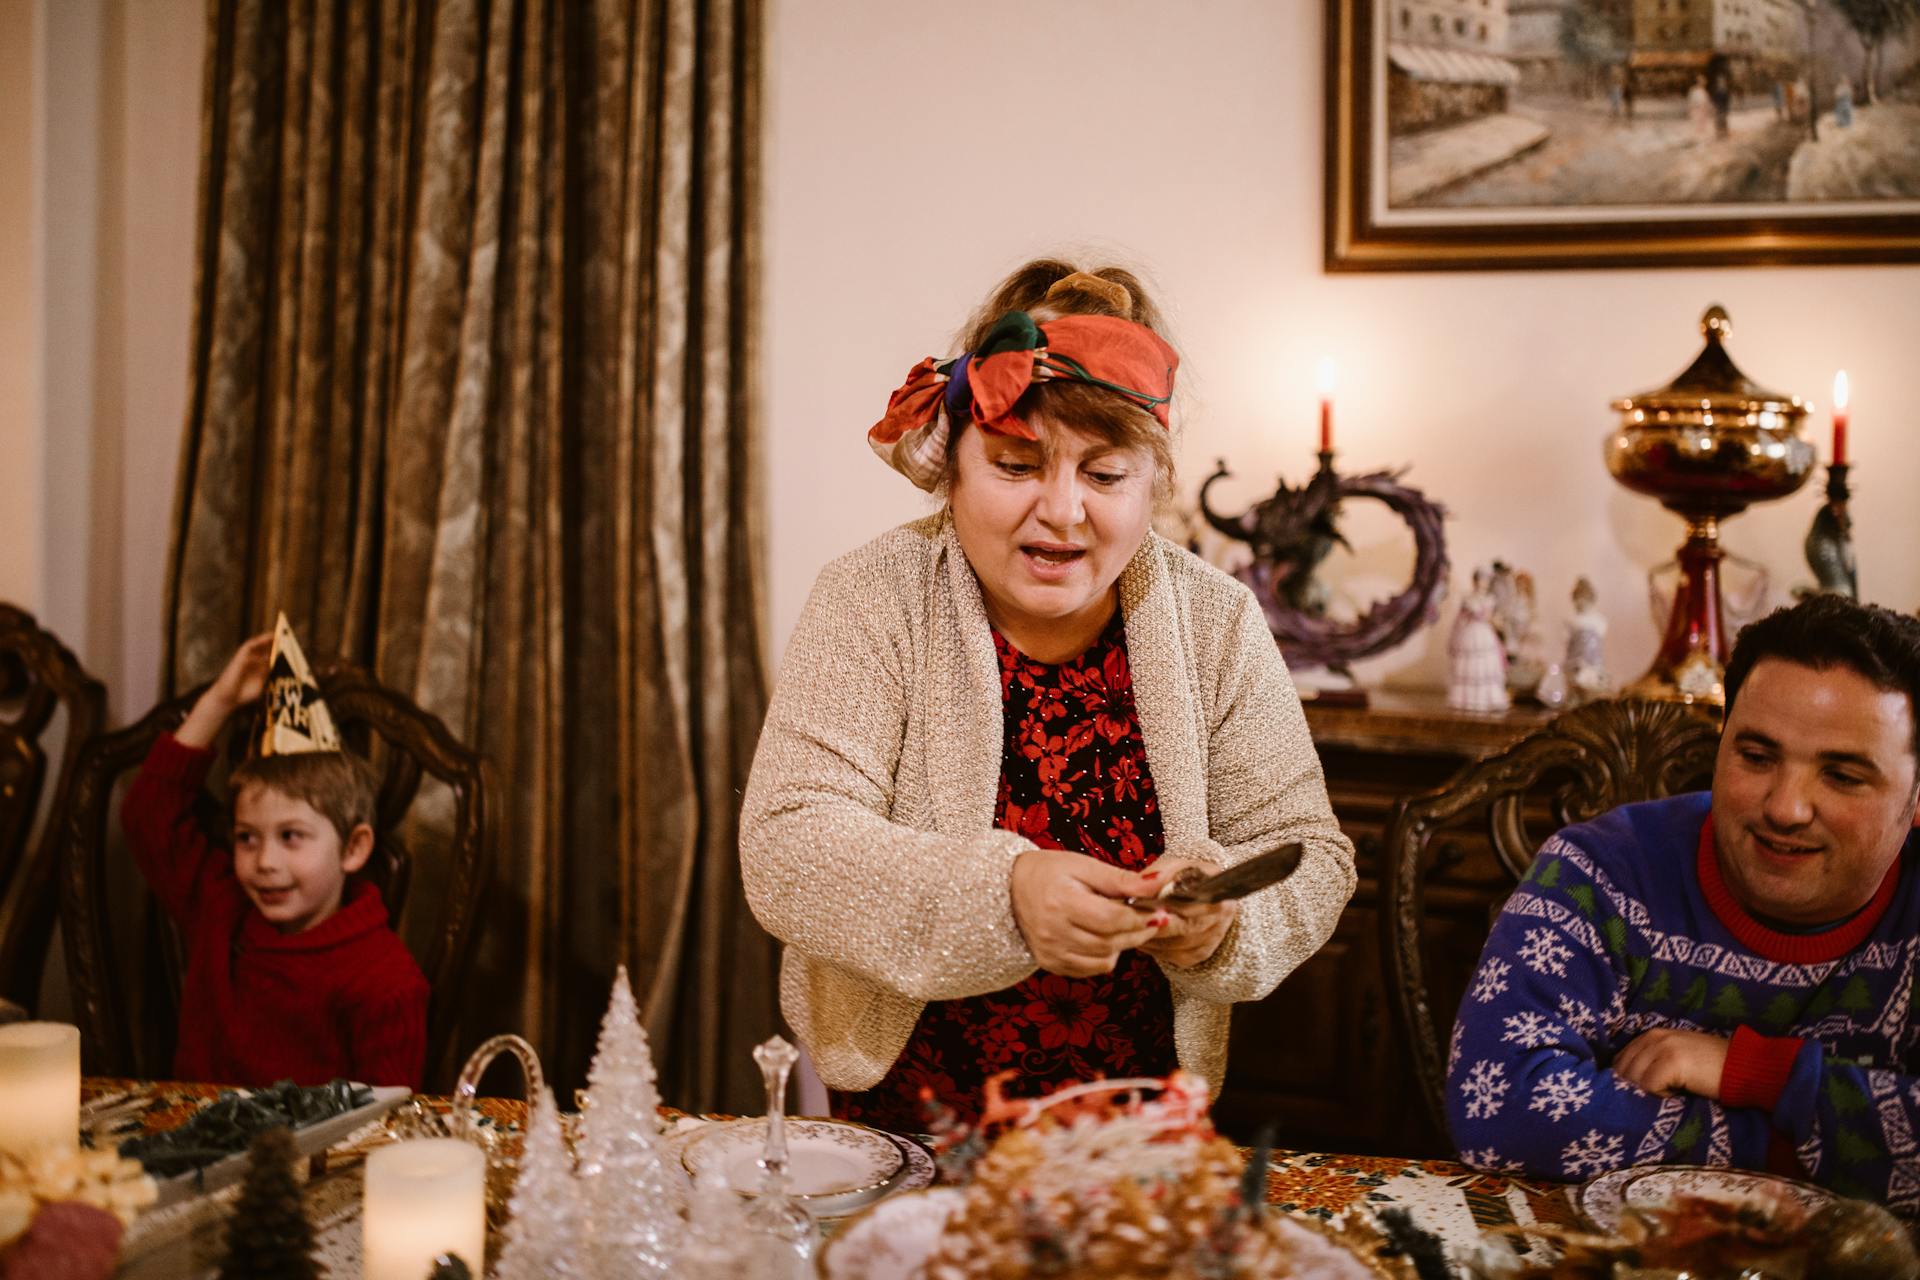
(1827, 631)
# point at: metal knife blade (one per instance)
(1256, 873)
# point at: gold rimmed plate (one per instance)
(1604, 1200)
(834, 1166)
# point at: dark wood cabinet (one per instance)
(1322, 1058)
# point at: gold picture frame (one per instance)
(1366, 233)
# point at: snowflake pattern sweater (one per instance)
(341, 999)
(1624, 924)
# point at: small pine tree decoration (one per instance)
(268, 1236)
(631, 1194)
(720, 1240)
(545, 1222)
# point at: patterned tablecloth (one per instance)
(1452, 1201)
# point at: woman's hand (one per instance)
(241, 682)
(1069, 910)
(1194, 932)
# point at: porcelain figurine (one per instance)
(1586, 630)
(1477, 659)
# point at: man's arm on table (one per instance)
(1852, 1127)
(1531, 1078)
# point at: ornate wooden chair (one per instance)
(1576, 767)
(432, 861)
(49, 706)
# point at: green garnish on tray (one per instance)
(227, 1127)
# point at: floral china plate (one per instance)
(1604, 1200)
(834, 1167)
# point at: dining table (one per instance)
(1453, 1202)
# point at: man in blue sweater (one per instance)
(1726, 978)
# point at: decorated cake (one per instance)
(1102, 1181)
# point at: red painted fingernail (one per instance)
(1149, 875)
(1158, 922)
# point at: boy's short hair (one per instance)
(1827, 631)
(338, 784)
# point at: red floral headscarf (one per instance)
(1128, 359)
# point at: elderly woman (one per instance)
(998, 724)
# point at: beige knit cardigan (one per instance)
(867, 842)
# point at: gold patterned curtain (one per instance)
(473, 357)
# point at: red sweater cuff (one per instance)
(1757, 1067)
(172, 760)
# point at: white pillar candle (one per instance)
(424, 1198)
(39, 1086)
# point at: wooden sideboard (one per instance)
(1322, 1058)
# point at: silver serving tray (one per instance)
(308, 1141)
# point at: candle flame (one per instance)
(1328, 376)
(1840, 391)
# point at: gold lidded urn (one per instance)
(1706, 445)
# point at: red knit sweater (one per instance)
(342, 999)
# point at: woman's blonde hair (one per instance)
(1112, 419)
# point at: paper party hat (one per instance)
(297, 719)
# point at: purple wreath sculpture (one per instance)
(1292, 532)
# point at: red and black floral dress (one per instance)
(1073, 775)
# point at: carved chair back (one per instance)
(433, 854)
(49, 706)
(1573, 769)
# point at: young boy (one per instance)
(292, 971)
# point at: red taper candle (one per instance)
(1328, 372)
(1839, 418)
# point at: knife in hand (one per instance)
(1192, 887)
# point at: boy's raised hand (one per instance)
(241, 682)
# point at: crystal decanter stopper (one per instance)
(784, 1227)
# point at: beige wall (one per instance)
(77, 143)
(152, 190)
(98, 174)
(20, 413)
(917, 154)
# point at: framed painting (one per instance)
(1476, 134)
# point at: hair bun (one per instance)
(1109, 292)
